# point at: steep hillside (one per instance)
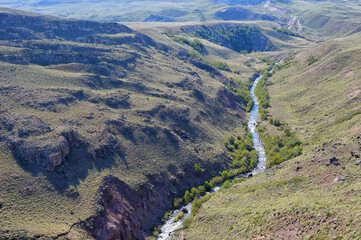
(316, 94)
(238, 13)
(101, 127)
(237, 37)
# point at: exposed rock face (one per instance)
(32, 140)
(46, 152)
(26, 125)
(125, 211)
(106, 144)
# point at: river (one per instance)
(170, 226)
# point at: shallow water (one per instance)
(169, 226)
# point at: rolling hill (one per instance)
(111, 111)
(316, 92)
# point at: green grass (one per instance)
(305, 197)
(39, 202)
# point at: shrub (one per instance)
(216, 180)
(242, 152)
(187, 222)
(195, 44)
(207, 185)
(201, 190)
(311, 60)
(166, 216)
(221, 65)
(280, 148)
(179, 216)
(177, 202)
(226, 184)
(197, 203)
(243, 93)
(155, 232)
(187, 197)
(197, 168)
(225, 175)
(249, 106)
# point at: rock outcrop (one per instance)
(47, 152)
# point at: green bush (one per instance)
(243, 93)
(242, 152)
(155, 232)
(311, 60)
(179, 216)
(287, 32)
(197, 203)
(221, 65)
(195, 44)
(177, 203)
(166, 216)
(197, 168)
(280, 148)
(226, 184)
(187, 197)
(187, 222)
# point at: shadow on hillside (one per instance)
(75, 168)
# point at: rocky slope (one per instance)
(238, 37)
(101, 126)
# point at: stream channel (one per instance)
(169, 226)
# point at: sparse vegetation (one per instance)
(195, 43)
(221, 65)
(134, 109)
(243, 93)
(234, 36)
(306, 197)
(198, 169)
(311, 60)
(287, 32)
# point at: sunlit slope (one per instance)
(316, 195)
(85, 105)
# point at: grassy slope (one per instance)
(40, 203)
(216, 52)
(318, 18)
(321, 102)
(325, 19)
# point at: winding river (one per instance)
(170, 226)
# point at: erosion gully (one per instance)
(169, 226)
